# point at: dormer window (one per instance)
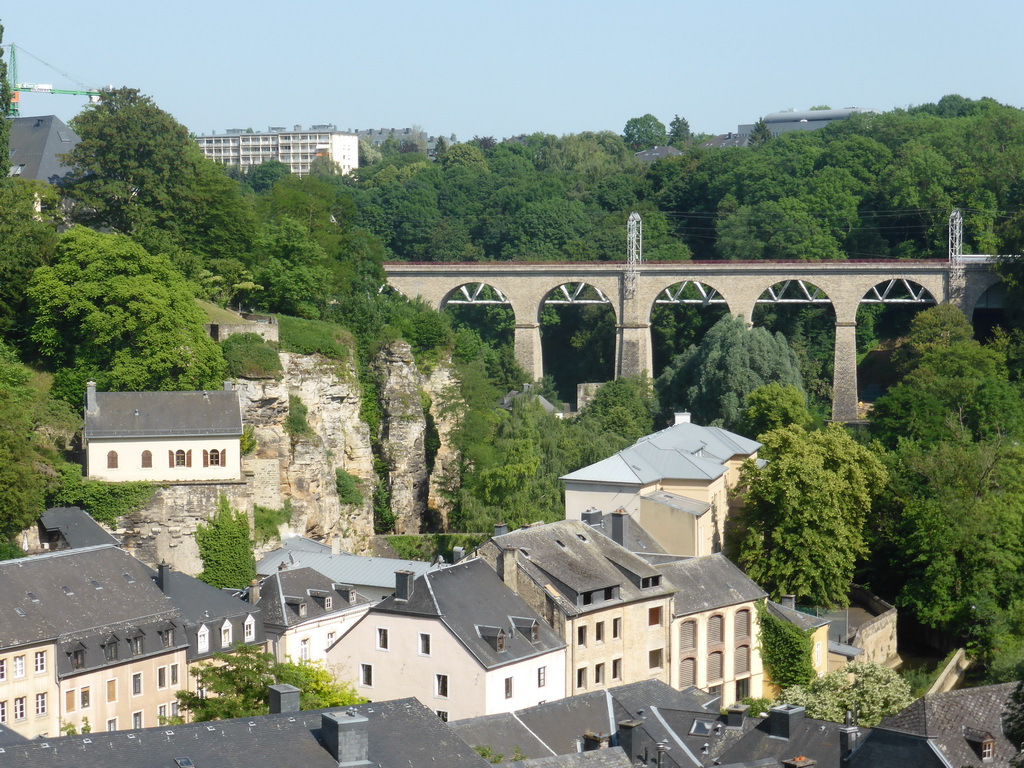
(302, 610)
(110, 649)
(225, 634)
(203, 639)
(250, 629)
(328, 603)
(988, 750)
(135, 644)
(78, 658)
(167, 637)
(649, 582)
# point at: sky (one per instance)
(484, 68)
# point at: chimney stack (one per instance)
(284, 698)
(784, 719)
(500, 529)
(629, 738)
(161, 575)
(404, 585)
(682, 417)
(346, 738)
(254, 592)
(335, 544)
(592, 517)
(509, 568)
(620, 526)
(736, 714)
(788, 601)
(90, 397)
(457, 554)
(849, 737)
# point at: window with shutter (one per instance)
(170, 459)
(688, 635)
(147, 460)
(742, 625)
(742, 660)
(188, 458)
(206, 458)
(112, 460)
(715, 666)
(224, 457)
(687, 672)
(715, 630)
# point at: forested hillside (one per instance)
(925, 506)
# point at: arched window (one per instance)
(111, 459)
(687, 635)
(179, 458)
(742, 659)
(742, 625)
(715, 630)
(214, 458)
(714, 666)
(147, 460)
(687, 673)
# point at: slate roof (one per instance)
(571, 558)
(815, 739)
(682, 503)
(802, 620)
(556, 727)
(282, 592)
(81, 599)
(635, 537)
(198, 603)
(954, 718)
(76, 527)
(471, 601)
(684, 451)
(708, 582)
(164, 414)
(656, 153)
(400, 733)
(343, 568)
(613, 757)
(882, 748)
(36, 143)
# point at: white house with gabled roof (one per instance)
(163, 437)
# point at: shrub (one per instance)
(247, 355)
(266, 521)
(296, 424)
(225, 548)
(348, 487)
(312, 337)
(104, 501)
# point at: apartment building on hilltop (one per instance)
(297, 148)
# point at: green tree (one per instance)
(679, 133)
(623, 406)
(937, 327)
(774, 406)
(1013, 715)
(871, 690)
(225, 547)
(27, 241)
(106, 308)
(263, 176)
(6, 95)
(760, 135)
(714, 379)
(805, 511)
(644, 132)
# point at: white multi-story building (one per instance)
(297, 148)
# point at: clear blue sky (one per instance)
(499, 69)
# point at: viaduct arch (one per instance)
(739, 285)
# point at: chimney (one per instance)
(161, 575)
(284, 698)
(592, 517)
(788, 601)
(629, 738)
(799, 762)
(509, 568)
(682, 417)
(783, 720)
(736, 714)
(229, 387)
(457, 554)
(90, 397)
(620, 526)
(500, 529)
(335, 544)
(254, 592)
(849, 737)
(345, 736)
(404, 585)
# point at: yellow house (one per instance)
(817, 628)
(610, 606)
(674, 483)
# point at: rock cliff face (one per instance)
(302, 470)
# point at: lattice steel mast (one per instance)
(957, 276)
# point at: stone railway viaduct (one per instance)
(738, 285)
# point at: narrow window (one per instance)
(3, 711)
(742, 660)
(3, 670)
(616, 628)
(112, 724)
(366, 675)
(147, 460)
(137, 684)
(424, 644)
(599, 632)
(225, 635)
(250, 629)
(161, 677)
(304, 649)
(581, 677)
(136, 720)
(581, 636)
(188, 458)
(203, 639)
(542, 677)
(19, 666)
(654, 617)
(40, 660)
(382, 639)
(179, 458)
(715, 666)
(110, 651)
(111, 459)
(215, 458)
(508, 687)
(40, 704)
(19, 708)
(598, 674)
(715, 630)
(441, 686)
(70, 700)
(688, 635)
(616, 669)
(206, 458)
(742, 625)
(687, 672)
(174, 674)
(111, 691)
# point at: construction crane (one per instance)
(20, 88)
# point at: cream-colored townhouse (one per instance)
(458, 640)
(610, 606)
(675, 483)
(87, 640)
(305, 612)
(163, 437)
(715, 628)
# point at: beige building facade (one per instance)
(298, 148)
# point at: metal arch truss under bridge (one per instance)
(740, 286)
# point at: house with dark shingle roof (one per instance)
(86, 634)
(674, 483)
(305, 612)
(163, 437)
(459, 640)
(610, 605)
(951, 729)
(391, 734)
(36, 146)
